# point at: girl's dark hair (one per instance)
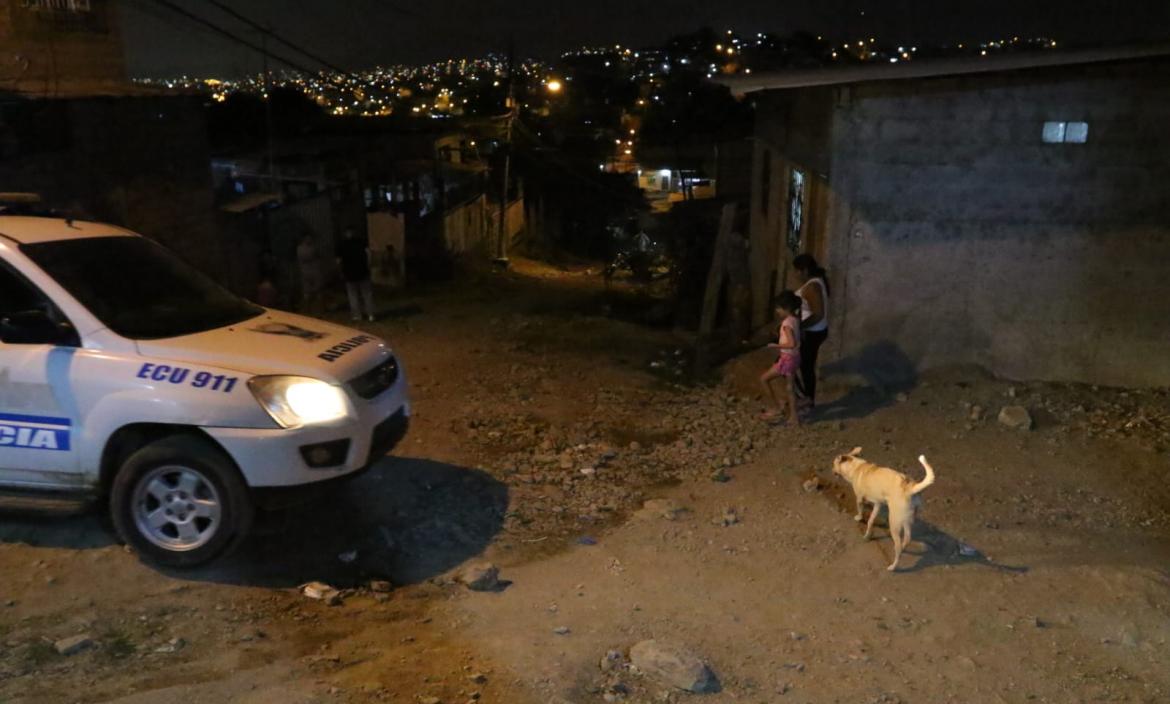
(789, 301)
(807, 263)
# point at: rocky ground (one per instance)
(616, 505)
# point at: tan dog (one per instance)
(882, 485)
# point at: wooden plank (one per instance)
(718, 270)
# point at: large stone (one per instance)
(674, 666)
(1016, 417)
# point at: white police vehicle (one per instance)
(129, 378)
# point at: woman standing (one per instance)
(814, 320)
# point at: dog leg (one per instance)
(872, 517)
(857, 516)
(897, 552)
(898, 531)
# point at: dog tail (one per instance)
(925, 482)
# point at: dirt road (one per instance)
(542, 427)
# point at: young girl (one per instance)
(788, 363)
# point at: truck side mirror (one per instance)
(36, 327)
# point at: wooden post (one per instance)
(718, 271)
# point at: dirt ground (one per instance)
(1040, 570)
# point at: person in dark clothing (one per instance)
(353, 257)
(814, 323)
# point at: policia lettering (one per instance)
(34, 432)
(335, 352)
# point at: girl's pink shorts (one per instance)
(787, 364)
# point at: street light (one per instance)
(554, 86)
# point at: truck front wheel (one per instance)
(180, 502)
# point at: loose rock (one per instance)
(1016, 417)
(613, 660)
(174, 645)
(729, 517)
(321, 591)
(674, 666)
(381, 586)
(73, 645)
(480, 577)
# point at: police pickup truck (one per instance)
(128, 378)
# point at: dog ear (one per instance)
(855, 451)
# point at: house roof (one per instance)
(785, 80)
(249, 201)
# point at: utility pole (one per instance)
(510, 106)
(268, 114)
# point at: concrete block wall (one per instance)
(960, 237)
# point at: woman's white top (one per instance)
(806, 312)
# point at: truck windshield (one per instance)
(137, 288)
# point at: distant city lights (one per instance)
(475, 86)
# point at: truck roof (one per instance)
(32, 230)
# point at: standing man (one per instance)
(353, 256)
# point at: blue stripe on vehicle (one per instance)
(44, 420)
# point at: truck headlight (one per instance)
(293, 401)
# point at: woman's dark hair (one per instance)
(807, 264)
(789, 301)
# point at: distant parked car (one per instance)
(127, 377)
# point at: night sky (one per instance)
(359, 33)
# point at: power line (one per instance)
(305, 52)
(357, 91)
(239, 40)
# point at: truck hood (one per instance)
(277, 343)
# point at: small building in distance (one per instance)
(1009, 212)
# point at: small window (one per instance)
(1054, 132)
(1076, 133)
(795, 210)
(1065, 132)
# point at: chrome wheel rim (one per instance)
(177, 508)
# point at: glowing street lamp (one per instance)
(554, 86)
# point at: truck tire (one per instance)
(180, 502)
